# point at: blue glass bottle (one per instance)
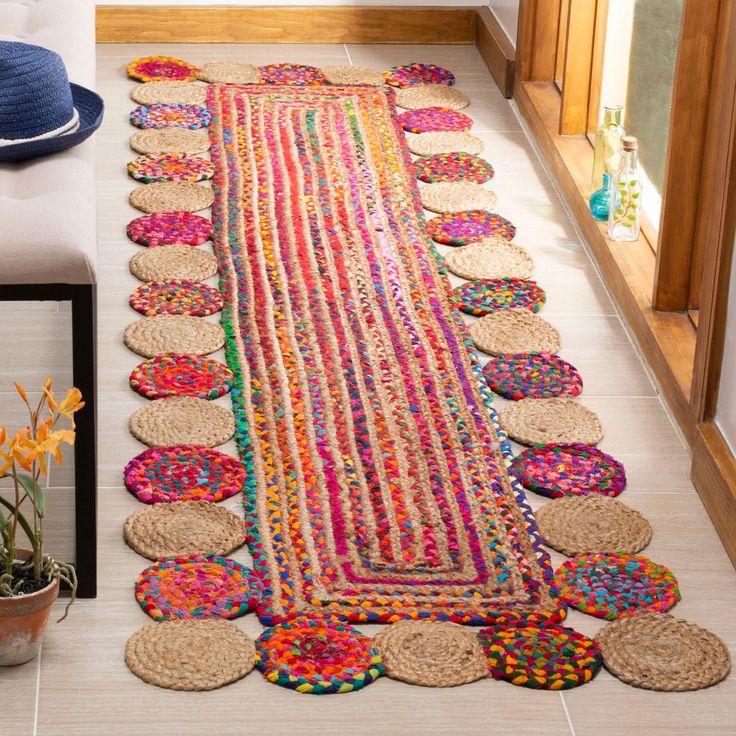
(600, 200)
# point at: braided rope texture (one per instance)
(361, 411)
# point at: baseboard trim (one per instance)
(496, 50)
(269, 24)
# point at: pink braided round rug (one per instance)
(467, 226)
(427, 119)
(412, 75)
(169, 228)
(176, 296)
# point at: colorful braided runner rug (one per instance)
(376, 479)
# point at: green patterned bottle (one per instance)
(625, 214)
(607, 145)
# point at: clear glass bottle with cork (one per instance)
(626, 190)
(606, 153)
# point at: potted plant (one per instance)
(29, 579)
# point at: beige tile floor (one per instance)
(80, 684)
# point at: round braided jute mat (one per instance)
(451, 196)
(161, 68)
(490, 258)
(229, 72)
(431, 653)
(544, 658)
(614, 585)
(173, 333)
(197, 586)
(182, 420)
(170, 167)
(514, 331)
(169, 228)
(427, 119)
(176, 296)
(657, 651)
(183, 528)
(569, 469)
(294, 74)
(485, 296)
(181, 375)
(532, 376)
(431, 95)
(170, 115)
(190, 654)
(317, 655)
(173, 262)
(352, 75)
(183, 473)
(170, 140)
(151, 93)
(544, 421)
(412, 75)
(428, 144)
(456, 166)
(469, 226)
(172, 196)
(575, 524)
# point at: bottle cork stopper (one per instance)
(630, 143)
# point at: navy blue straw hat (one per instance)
(40, 111)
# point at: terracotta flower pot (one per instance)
(23, 620)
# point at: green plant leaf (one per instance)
(21, 520)
(35, 493)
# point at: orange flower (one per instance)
(72, 402)
(21, 391)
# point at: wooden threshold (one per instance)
(496, 49)
(269, 24)
(667, 339)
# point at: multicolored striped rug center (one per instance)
(377, 483)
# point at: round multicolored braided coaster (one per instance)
(611, 585)
(657, 651)
(161, 68)
(168, 228)
(197, 586)
(428, 119)
(544, 658)
(183, 473)
(532, 376)
(431, 653)
(318, 656)
(176, 296)
(576, 524)
(411, 75)
(458, 166)
(170, 115)
(459, 228)
(190, 654)
(490, 295)
(298, 74)
(181, 375)
(573, 469)
(170, 167)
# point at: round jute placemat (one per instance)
(229, 72)
(190, 654)
(456, 166)
(176, 296)
(485, 296)
(572, 469)
(544, 421)
(352, 75)
(173, 333)
(183, 528)
(182, 420)
(657, 651)
(293, 74)
(170, 115)
(412, 75)
(173, 262)
(427, 119)
(172, 196)
(490, 258)
(614, 585)
(431, 653)
(543, 658)
(170, 140)
(428, 144)
(181, 375)
(469, 226)
(514, 331)
(431, 95)
(532, 376)
(451, 196)
(576, 524)
(152, 93)
(152, 167)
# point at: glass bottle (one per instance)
(600, 200)
(607, 147)
(625, 214)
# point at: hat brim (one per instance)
(90, 107)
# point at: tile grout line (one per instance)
(350, 58)
(38, 691)
(567, 715)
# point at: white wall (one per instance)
(726, 411)
(507, 14)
